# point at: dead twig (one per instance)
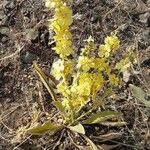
(109, 12)
(13, 54)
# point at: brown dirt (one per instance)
(20, 88)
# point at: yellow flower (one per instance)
(89, 47)
(113, 79)
(53, 3)
(82, 101)
(99, 64)
(57, 69)
(97, 84)
(113, 42)
(84, 86)
(123, 64)
(104, 51)
(88, 84)
(62, 68)
(66, 103)
(62, 19)
(79, 102)
(63, 34)
(63, 15)
(68, 67)
(63, 48)
(63, 88)
(75, 104)
(107, 68)
(60, 24)
(85, 63)
(56, 27)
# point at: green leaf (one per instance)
(139, 94)
(101, 117)
(44, 80)
(78, 128)
(45, 128)
(59, 106)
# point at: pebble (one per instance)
(28, 57)
(145, 18)
(32, 34)
(2, 14)
(3, 18)
(94, 18)
(4, 39)
(10, 5)
(144, 37)
(4, 31)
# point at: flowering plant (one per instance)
(80, 79)
(84, 82)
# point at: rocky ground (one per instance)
(24, 37)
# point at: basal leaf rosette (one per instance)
(85, 79)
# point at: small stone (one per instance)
(145, 18)
(144, 38)
(94, 18)
(4, 31)
(2, 14)
(3, 18)
(28, 57)
(10, 5)
(32, 34)
(4, 39)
